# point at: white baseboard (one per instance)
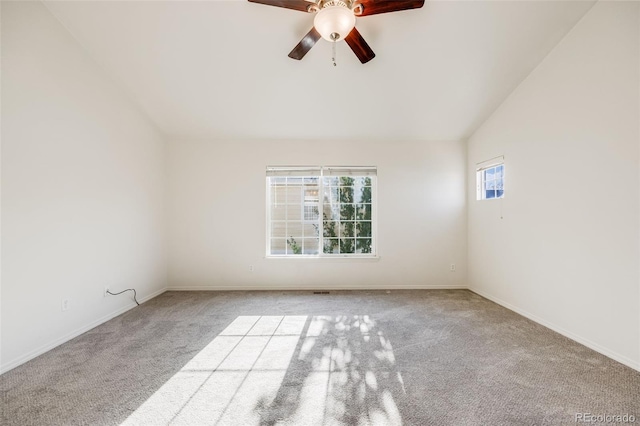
(313, 288)
(583, 341)
(57, 342)
(586, 342)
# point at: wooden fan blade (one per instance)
(301, 5)
(374, 7)
(305, 44)
(359, 46)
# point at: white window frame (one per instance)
(481, 168)
(321, 172)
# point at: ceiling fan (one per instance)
(336, 19)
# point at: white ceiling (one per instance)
(219, 69)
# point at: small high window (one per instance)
(490, 179)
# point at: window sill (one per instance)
(336, 258)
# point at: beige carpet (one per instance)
(438, 357)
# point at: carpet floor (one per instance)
(432, 357)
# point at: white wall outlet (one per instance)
(105, 292)
(251, 268)
(66, 305)
(452, 268)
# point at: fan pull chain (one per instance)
(334, 37)
(333, 54)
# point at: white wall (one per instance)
(82, 189)
(83, 196)
(217, 213)
(566, 251)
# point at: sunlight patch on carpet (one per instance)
(283, 370)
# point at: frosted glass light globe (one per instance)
(334, 20)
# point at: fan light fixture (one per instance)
(334, 22)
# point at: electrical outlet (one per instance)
(452, 268)
(66, 305)
(250, 268)
(105, 293)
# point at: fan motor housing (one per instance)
(329, 3)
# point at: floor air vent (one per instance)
(320, 292)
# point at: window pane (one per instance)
(491, 193)
(330, 245)
(347, 211)
(331, 212)
(346, 181)
(347, 229)
(311, 230)
(347, 245)
(294, 195)
(277, 180)
(362, 194)
(294, 229)
(363, 229)
(294, 212)
(499, 184)
(311, 191)
(278, 194)
(294, 246)
(311, 246)
(499, 193)
(362, 181)
(330, 181)
(278, 246)
(363, 212)
(278, 229)
(291, 181)
(489, 173)
(490, 184)
(331, 195)
(311, 180)
(363, 245)
(499, 170)
(346, 194)
(278, 212)
(330, 229)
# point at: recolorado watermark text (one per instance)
(604, 418)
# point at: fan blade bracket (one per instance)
(374, 7)
(300, 5)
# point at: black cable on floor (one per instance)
(129, 289)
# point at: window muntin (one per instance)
(490, 182)
(321, 212)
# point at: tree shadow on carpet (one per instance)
(343, 371)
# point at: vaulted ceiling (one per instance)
(219, 69)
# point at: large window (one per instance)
(490, 179)
(321, 211)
